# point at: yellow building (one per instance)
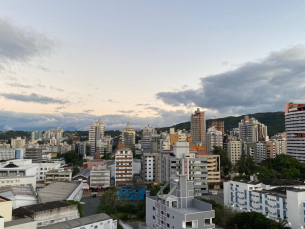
(6, 207)
(213, 167)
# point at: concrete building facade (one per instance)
(100, 177)
(198, 126)
(123, 166)
(96, 133)
(234, 151)
(178, 209)
(213, 138)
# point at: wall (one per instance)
(6, 210)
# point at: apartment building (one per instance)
(20, 167)
(148, 134)
(274, 198)
(251, 130)
(234, 151)
(213, 167)
(7, 154)
(198, 126)
(213, 138)
(18, 180)
(184, 161)
(150, 168)
(295, 130)
(57, 175)
(178, 209)
(123, 166)
(128, 137)
(35, 154)
(96, 133)
(100, 177)
(18, 142)
(219, 125)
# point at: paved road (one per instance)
(90, 205)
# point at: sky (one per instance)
(68, 63)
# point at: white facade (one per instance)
(147, 135)
(286, 201)
(7, 154)
(251, 130)
(128, 137)
(45, 167)
(96, 133)
(18, 180)
(213, 138)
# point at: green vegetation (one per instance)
(79, 207)
(75, 171)
(13, 134)
(111, 205)
(274, 120)
(72, 158)
(228, 218)
(156, 189)
(226, 164)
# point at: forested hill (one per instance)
(274, 120)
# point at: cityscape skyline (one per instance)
(146, 68)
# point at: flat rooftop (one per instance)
(57, 191)
(18, 222)
(80, 222)
(45, 206)
(17, 190)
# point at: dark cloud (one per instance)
(19, 44)
(14, 84)
(264, 85)
(81, 121)
(32, 98)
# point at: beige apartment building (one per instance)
(213, 167)
(123, 166)
(234, 151)
(100, 176)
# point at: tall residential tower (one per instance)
(198, 127)
(96, 133)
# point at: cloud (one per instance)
(258, 86)
(19, 85)
(56, 89)
(88, 111)
(81, 121)
(125, 112)
(153, 108)
(112, 101)
(20, 44)
(143, 104)
(32, 98)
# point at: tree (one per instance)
(156, 189)
(75, 171)
(245, 165)
(225, 163)
(71, 157)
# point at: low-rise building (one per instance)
(18, 180)
(20, 167)
(98, 221)
(61, 191)
(7, 154)
(178, 209)
(57, 175)
(48, 213)
(6, 206)
(274, 198)
(100, 177)
(19, 195)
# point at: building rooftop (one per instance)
(280, 191)
(58, 171)
(18, 222)
(84, 173)
(11, 165)
(80, 222)
(57, 191)
(43, 207)
(96, 160)
(26, 190)
(272, 182)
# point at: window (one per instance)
(168, 215)
(154, 208)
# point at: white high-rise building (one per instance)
(147, 136)
(295, 130)
(251, 130)
(213, 138)
(96, 133)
